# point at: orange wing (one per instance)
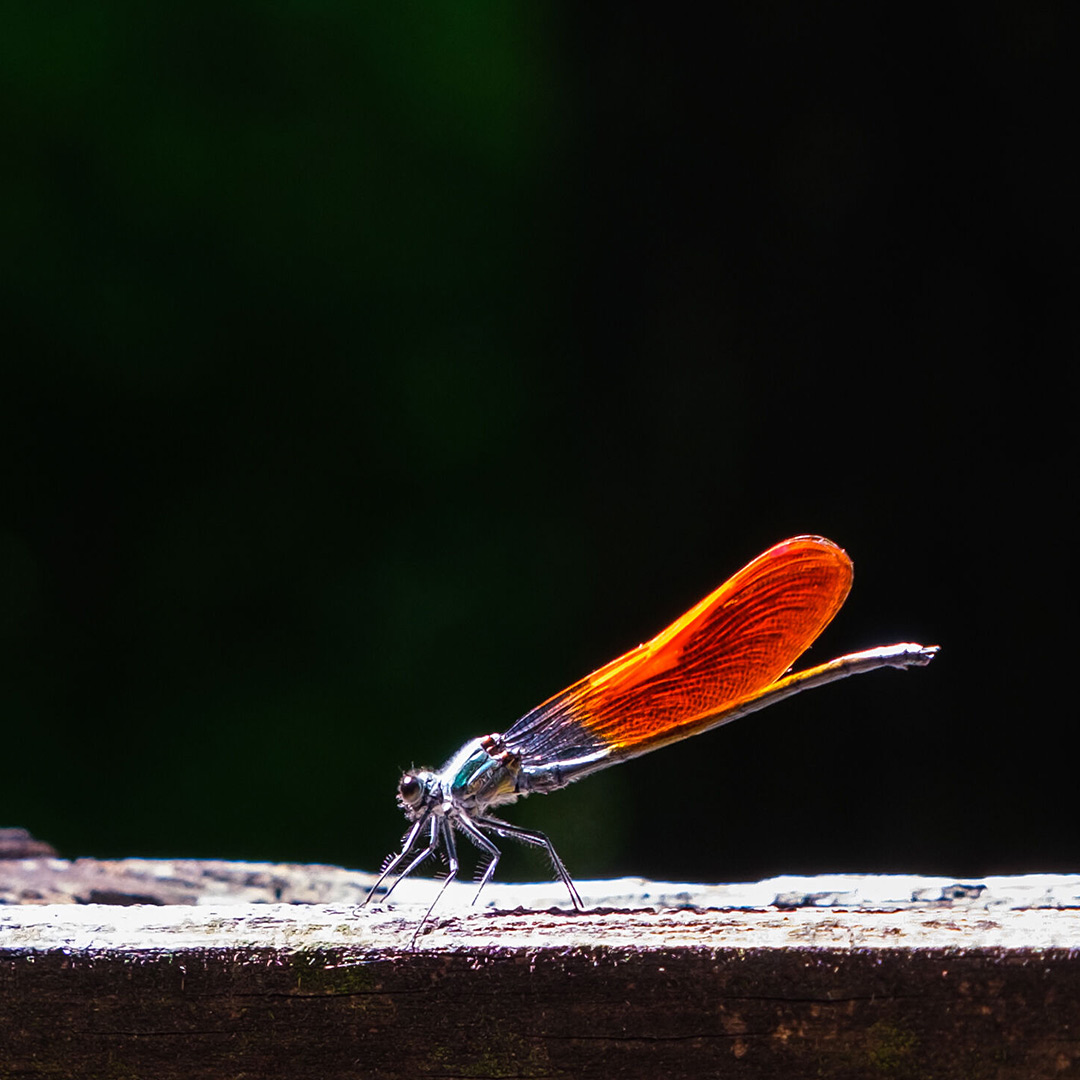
(726, 651)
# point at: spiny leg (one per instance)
(484, 844)
(443, 826)
(540, 840)
(433, 843)
(392, 863)
(405, 849)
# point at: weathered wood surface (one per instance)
(52, 880)
(947, 979)
(19, 844)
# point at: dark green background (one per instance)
(372, 371)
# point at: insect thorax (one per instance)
(483, 773)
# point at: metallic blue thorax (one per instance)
(482, 773)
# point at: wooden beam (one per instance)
(945, 979)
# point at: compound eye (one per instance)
(410, 789)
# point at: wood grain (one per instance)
(954, 982)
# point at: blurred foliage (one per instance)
(373, 371)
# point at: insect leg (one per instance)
(443, 826)
(484, 844)
(540, 840)
(406, 847)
